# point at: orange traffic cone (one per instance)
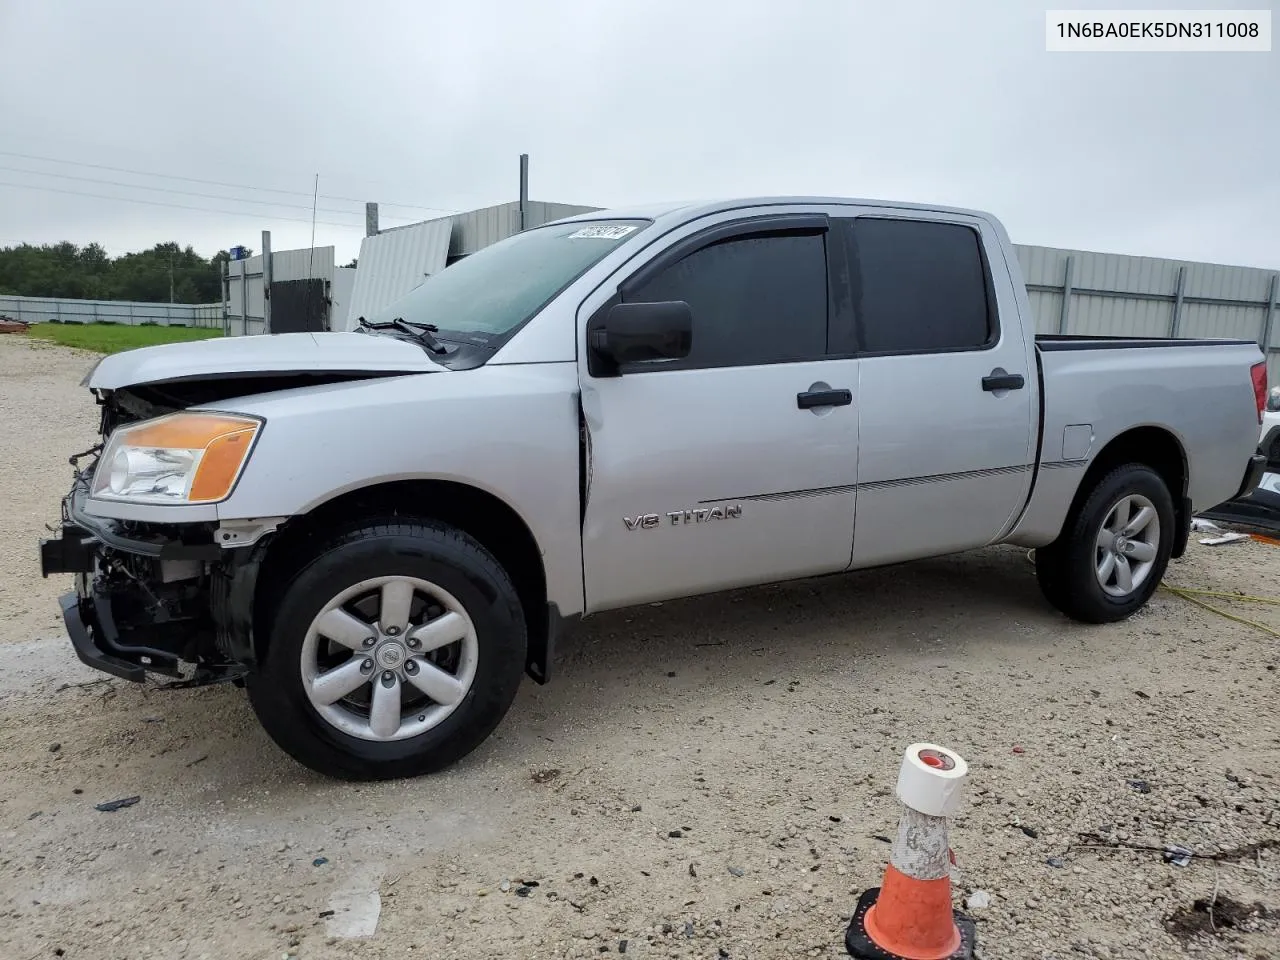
(909, 916)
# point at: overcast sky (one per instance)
(619, 102)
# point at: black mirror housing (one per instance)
(639, 332)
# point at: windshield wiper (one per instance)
(421, 332)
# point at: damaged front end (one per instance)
(165, 599)
(172, 598)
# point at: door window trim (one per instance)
(839, 293)
(846, 341)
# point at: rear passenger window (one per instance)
(754, 299)
(920, 287)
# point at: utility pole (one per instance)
(170, 276)
(370, 219)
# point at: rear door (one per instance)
(947, 392)
(736, 465)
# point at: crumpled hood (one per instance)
(282, 353)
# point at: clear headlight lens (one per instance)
(180, 458)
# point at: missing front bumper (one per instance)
(140, 607)
(82, 640)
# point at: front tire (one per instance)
(393, 653)
(1113, 550)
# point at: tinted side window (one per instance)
(755, 299)
(919, 286)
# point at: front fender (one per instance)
(511, 431)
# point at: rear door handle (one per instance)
(824, 398)
(1003, 381)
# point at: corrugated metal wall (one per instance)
(301, 265)
(477, 229)
(1117, 295)
(392, 263)
(344, 280)
(44, 309)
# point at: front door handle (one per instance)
(1003, 381)
(824, 398)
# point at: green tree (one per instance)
(68, 271)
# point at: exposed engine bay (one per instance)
(167, 599)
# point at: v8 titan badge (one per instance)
(683, 518)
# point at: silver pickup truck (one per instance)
(378, 533)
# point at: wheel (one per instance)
(393, 653)
(1113, 549)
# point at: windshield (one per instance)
(492, 292)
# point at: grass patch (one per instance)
(113, 338)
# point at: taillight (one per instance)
(1259, 374)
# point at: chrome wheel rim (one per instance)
(389, 658)
(1127, 546)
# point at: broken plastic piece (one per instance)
(111, 806)
(1178, 856)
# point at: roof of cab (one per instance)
(691, 209)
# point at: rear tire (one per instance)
(394, 652)
(1113, 550)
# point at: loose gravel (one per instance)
(706, 778)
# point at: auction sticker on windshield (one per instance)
(602, 232)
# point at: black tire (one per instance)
(426, 550)
(1066, 568)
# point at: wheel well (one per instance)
(493, 523)
(1158, 449)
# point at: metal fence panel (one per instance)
(1097, 316)
(303, 264)
(1116, 295)
(127, 312)
(1042, 265)
(393, 263)
(1215, 320)
(1046, 307)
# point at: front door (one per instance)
(738, 464)
(948, 394)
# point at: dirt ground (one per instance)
(707, 778)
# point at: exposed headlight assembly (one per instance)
(176, 459)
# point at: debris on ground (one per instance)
(1225, 539)
(111, 806)
(545, 776)
(355, 914)
(1213, 915)
(978, 900)
(1178, 856)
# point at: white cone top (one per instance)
(931, 778)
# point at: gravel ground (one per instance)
(708, 778)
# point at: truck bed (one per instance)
(1095, 389)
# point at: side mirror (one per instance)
(635, 332)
